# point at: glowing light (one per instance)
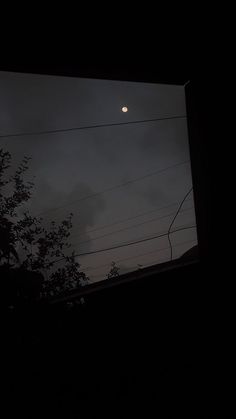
(124, 109)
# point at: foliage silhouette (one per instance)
(114, 271)
(26, 245)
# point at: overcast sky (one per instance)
(69, 166)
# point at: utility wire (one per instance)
(172, 222)
(128, 228)
(91, 278)
(126, 244)
(125, 219)
(140, 255)
(121, 185)
(54, 131)
(147, 237)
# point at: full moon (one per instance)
(124, 109)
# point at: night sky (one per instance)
(70, 166)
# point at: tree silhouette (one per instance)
(114, 271)
(25, 234)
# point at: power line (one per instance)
(147, 237)
(157, 262)
(129, 227)
(171, 224)
(125, 244)
(126, 219)
(121, 185)
(140, 255)
(54, 131)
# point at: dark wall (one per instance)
(146, 339)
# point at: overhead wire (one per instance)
(172, 222)
(124, 244)
(126, 219)
(121, 185)
(86, 127)
(139, 255)
(127, 228)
